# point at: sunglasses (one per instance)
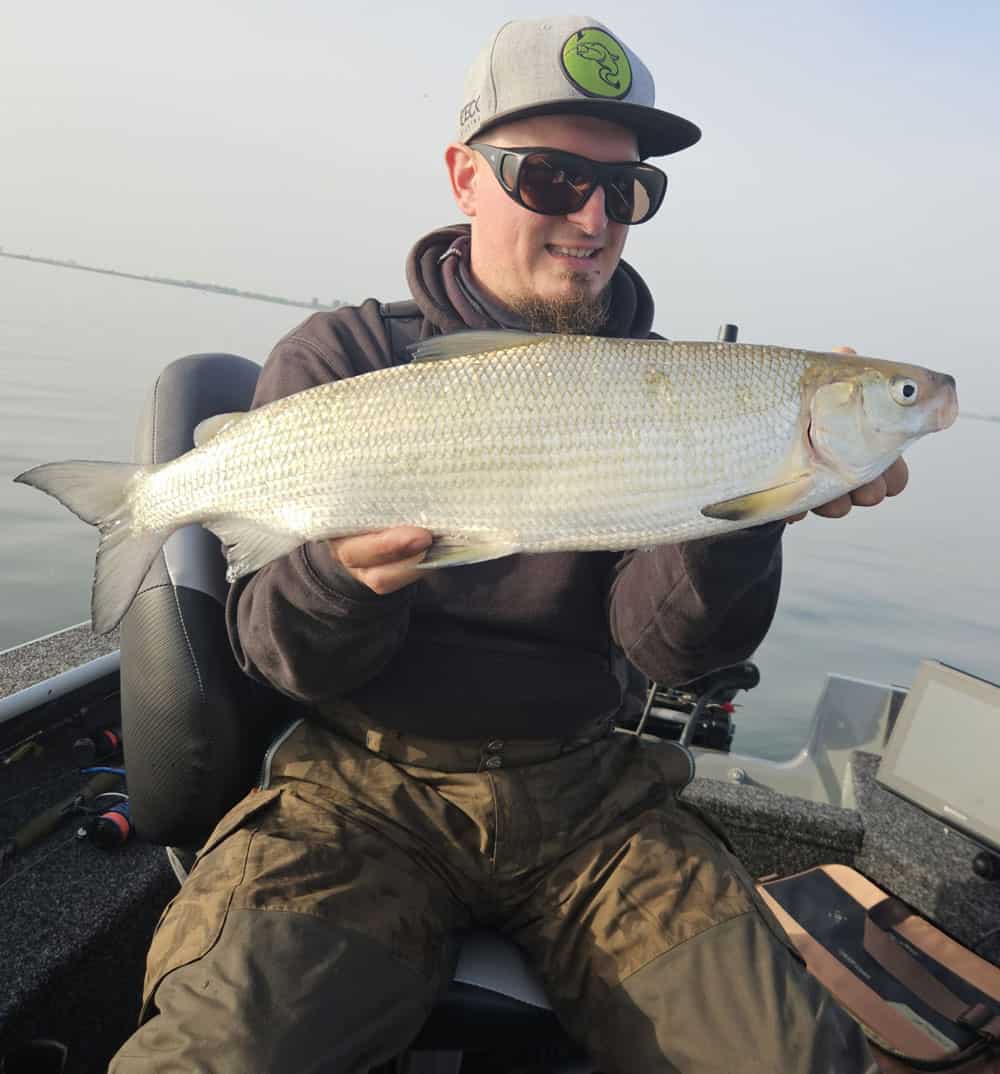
(554, 183)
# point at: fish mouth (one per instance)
(947, 411)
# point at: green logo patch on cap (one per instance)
(597, 64)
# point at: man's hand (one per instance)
(890, 483)
(385, 560)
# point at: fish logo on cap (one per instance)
(596, 64)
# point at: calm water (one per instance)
(868, 596)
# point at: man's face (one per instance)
(521, 256)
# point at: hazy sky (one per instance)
(846, 189)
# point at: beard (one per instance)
(579, 313)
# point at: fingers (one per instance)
(896, 477)
(837, 508)
(389, 579)
(384, 561)
(869, 495)
(384, 546)
(890, 483)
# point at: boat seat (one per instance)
(195, 728)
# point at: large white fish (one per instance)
(503, 442)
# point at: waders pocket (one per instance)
(192, 921)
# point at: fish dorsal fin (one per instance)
(461, 344)
(214, 425)
(767, 503)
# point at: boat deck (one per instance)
(77, 920)
(39, 660)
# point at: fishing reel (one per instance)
(108, 822)
(698, 713)
(714, 729)
(108, 826)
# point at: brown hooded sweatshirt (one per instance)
(525, 646)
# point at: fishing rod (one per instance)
(95, 745)
(46, 822)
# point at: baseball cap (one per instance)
(568, 64)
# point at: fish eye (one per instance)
(904, 390)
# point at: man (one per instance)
(459, 765)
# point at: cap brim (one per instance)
(659, 133)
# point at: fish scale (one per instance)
(508, 442)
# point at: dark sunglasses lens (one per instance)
(633, 195)
(552, 185)
(625, 199)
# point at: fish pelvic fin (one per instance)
(456, 552)
(99, 493)
(462, 344)
(770, 503)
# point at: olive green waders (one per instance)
(316, 928)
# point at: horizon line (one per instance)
(172, 281)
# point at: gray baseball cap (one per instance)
(567, 64)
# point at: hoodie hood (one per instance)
(440, 281)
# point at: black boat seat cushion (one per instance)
(194, 726)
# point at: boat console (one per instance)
(944, 756)
(901, 785)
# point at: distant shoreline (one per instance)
(194, 285)
(235, 292)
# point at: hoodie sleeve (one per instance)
(679, 611)
(302, 623)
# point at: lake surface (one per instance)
(869, 596)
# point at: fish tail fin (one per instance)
(93, 491)
(100, 493)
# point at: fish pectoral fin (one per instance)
(462, 344)
(248, 545)
(765, 504)
(456, 551)
(208, 428)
